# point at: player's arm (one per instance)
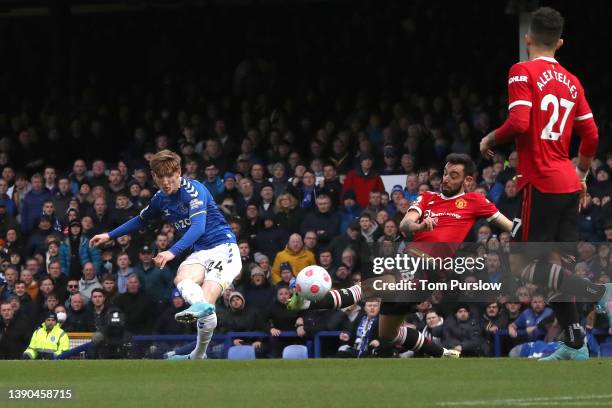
(140, 221)
(411, 224)
(412, 220)
(584, 125)
(519, 108)
(502, 222)
(197, 202)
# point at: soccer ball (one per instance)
(313, 282)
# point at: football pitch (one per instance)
(314, 383)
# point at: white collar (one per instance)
(548, 59)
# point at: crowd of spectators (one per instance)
(291, 144)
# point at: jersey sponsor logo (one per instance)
(429, 213)
(460, 203)
(517, 78)
(195, 203)
(181, 224)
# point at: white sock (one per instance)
(206, 327)
(191, 291)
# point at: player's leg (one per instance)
(391, 333)
(189, 279)
(219, 275)
(334, 299)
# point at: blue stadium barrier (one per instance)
(313, 346)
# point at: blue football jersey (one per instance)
(192, 210)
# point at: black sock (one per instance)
(552, 276)
(568, 319)
(414, 340)
(338, 299)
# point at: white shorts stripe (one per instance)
(583, 117)
(519, 102)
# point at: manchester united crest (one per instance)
(460, 203)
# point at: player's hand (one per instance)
(275, 332)
(583, 196)
(98, 240)
(427, 224)
(485, 146)
(344, 336)
(163, 258)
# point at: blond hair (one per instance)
(165, 163)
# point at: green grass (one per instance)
(314, 383)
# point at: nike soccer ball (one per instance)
(313, 282)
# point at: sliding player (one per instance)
(215, 258)
(445, 217)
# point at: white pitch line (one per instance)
(561, 400)
(567, 404)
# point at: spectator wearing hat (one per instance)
(270, 240)
(258, 292)
(295, 254)
(16, 333)
(323, 221)
(75, 252)
(31, 206)
(241, 317)
(286, 273)
(7, 221)
(464, 333)
(390, 160)
(212, 181)
(362, 180)
(349, 210)
(156, 283)
(266, 200)
(263, 261)
(48, 341)
(230, 186)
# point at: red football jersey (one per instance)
(455, 217)
(556, 100)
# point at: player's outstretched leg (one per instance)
(193, 294)
(564, 352)
(411, 339)
(334, 299)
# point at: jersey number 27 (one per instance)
(550, 99)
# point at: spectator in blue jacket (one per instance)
(156, 283)
(538, 316)
(349, 211)
(31, 205)
(75, 252)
